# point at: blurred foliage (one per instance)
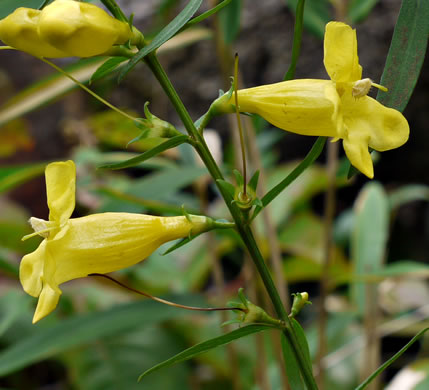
(103, 337)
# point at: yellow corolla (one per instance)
(65, 28)
(338, 108)
(99, 243)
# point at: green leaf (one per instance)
(113, 7)
(379, 370)
(316, 15)
(292, 369)
(8, 268)
(171, 143)
(207, 346)
(308, 160)
(369, 237)
(406, 54)
(164, 35)
(227, 187)
(297, 36)
(206, 14)
(46, 342)
(408, 193)
(229, 20)
(404, 267)
(8, 6)
(358, 10)
(106, 68)
(13, 176)
(253, 182)
(12, 305)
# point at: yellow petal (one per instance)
(384, 128)
(81, 29)
(356, 148)
(19, 30)
(48, 301)
(60, 189)
(307, 107)
(31, 270)
(107, 242)
(341, 58)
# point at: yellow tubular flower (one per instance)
(20, 30)
(99, 243)
(81, 29)
(338, 108)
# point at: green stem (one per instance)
(242, 227)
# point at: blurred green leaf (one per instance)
(106, 68)
(369, 237)
(12, 305)
(171, 143)
(379, 370)
(406, 54)
(164, 35)
(297, 37)
(208, 345)
(316, 15)
(7, 267)
(114, 363)
(8, 6)
(404, 268)
(358, 10)
(408, 193)
(13, 176)
(229, 19)
(80, 330)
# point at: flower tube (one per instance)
(99, 243)
(338, 108)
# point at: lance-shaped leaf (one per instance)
(171, 143)
(165, 34)
(406, 54)
(379, 370)
(308, 160)
(207, 346)
(106, 68)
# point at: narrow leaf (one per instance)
(358, 10)
(206, 14)
(13, 176)
(106, 68)
(114, 8)
(48, 341)
(165, 34)
(207, 346)
(229, 20)
(171, 143)
(297, 36)
(292, 369)
(379, 370)
(304, 164)
(406, 54)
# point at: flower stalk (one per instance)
(242, 227)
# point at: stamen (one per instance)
(362, 87)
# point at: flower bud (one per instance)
(81, 29)
(20, 30)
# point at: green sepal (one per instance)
(253, 182)
(238, 178)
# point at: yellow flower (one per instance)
(20, 30)
(338, 108)
(65, 28)
(99, 243)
